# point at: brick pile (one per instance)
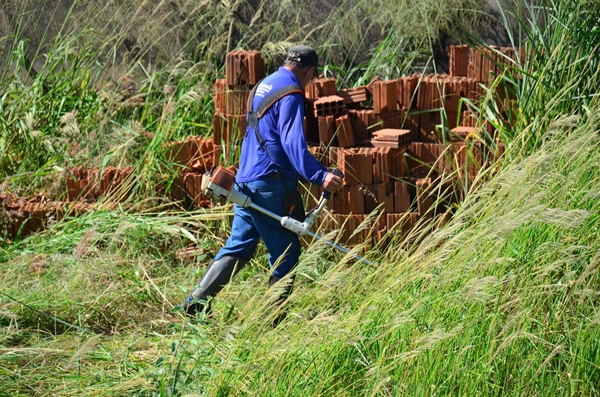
(390, 147)
(243, 70)
(93, 184)
(195, 156)
(20, 217)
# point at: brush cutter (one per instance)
(218, 185)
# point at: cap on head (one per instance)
(303, 54)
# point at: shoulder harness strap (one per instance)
(254, 115)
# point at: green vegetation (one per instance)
(502, 300)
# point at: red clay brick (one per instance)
(217, 156)
(365, 173)
(19, 224)
(401, 222)
(356, 199)
(393, 138)
(379, 232)
(235, 71)
(327, 128)
(341, 204)
(229, 128)
(407, 87)
(424, 98)
(178, 152)
(401, 197)
(72, 189)
(236, 101)
(230, 68)
(382, 164)
(460, 133)
(458, 60)
(377, 194)
(320, 88)
(244, 68)
(451, 120)
(105, 181)
(220, 88)
(398, 161)
(428, 122)
(202, 153)
(468, 159)
(26, 216)
(256, 67)
(354, 96)
(329, 105)
(91, 184)
(78, 185)
(321, 153)
(385, 96)
(345, 133)
(424, 199)
(391, 119)
(485, 63)
(371, 85)
(357, 167)
(219, 127)
(348, 225)
(193, 185)
(410, 121)
(423, 157)
(364, 122)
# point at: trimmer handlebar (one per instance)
(337, 172)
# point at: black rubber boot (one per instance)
(216, 277)
(286, 290)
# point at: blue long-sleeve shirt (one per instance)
(282, 129)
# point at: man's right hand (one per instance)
(332, 182)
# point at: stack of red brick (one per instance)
(195, 156)
(21, 217)
(243, 70)
(395, 126)
(94, 183)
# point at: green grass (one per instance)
(500, 301)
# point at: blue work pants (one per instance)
(250, 225)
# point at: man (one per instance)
(270, 163)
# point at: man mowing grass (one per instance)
(274, 153)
